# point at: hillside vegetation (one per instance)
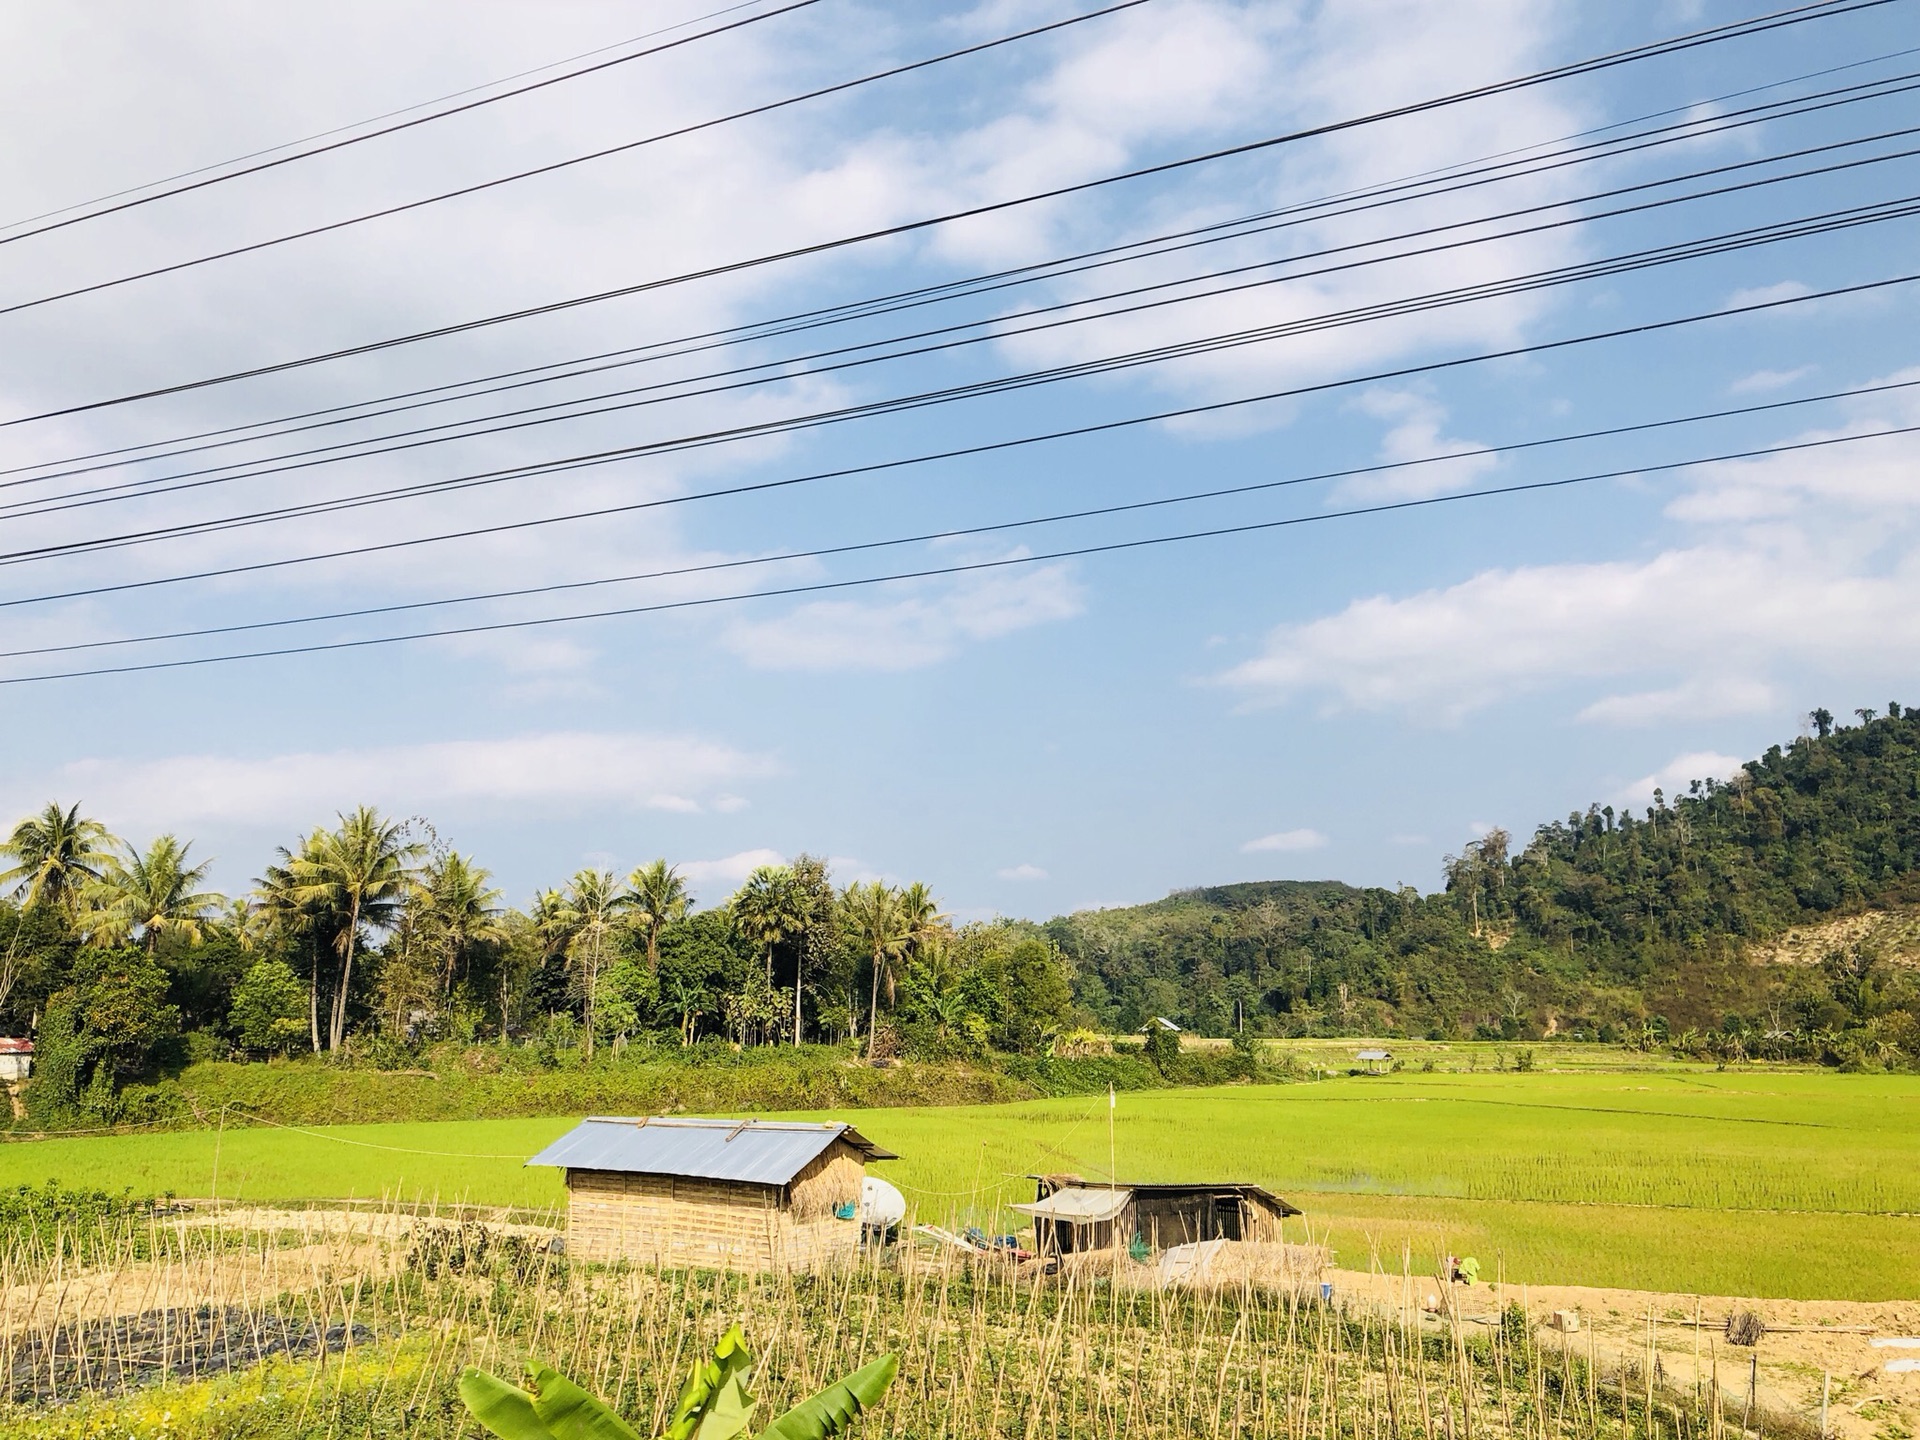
(1607, 924)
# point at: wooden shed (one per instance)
(720, 1194)
(1071, 1215)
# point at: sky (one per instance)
(1345, 696)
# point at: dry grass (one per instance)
(390, 1306)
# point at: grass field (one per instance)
(1791, 1184)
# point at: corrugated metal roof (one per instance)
(1079, 1207)
(757, 1152)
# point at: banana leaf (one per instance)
(501, 1406)
(837, 1406)
(570, 1413)
(714, 1403)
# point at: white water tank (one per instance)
(881, 1206)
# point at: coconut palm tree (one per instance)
(657, 897)
(589, 911)
(57, 854)
(462, 909)
(151, 895)
(361, 873)
(881, 926)
(279, 907)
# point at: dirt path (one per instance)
(1809, 1344)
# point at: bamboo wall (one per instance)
(715, 1224)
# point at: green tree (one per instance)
(768, 909)
(588, 913)
(56, 855)
(882, 929)
(150, 896)
(359, 872)
(462, 911)
(269, 1014)
(657, 897)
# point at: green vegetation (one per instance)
(714, 1404)
(375, 946)
(1753, 1182)
(1605, 926)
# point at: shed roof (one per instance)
(12, 1046)
(1163, 1190)
(1079, 1206)
(1373, 1055)
(756, 1152)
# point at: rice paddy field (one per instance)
(1778, 1183)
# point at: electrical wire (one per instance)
(1215, 407)
(334, 145)
(626, 147)
(1160, 502)
(1052, 270)
(1904, 207)
(1822, 9)
(784, 370)
(965, 568)
(391, 114)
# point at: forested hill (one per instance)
(1604, 922)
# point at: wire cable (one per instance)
(661, 350)
(626, 147)
(1215, 407)
(1160, 502)
(1821, 9)
(334, 145)
(965, 568)
(1904, 207)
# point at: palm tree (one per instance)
(589, 911)
(657, 897)
(767, 910)
(153, 894)
(462, 907)
(881, 925)
(360, 872)
(58, 854)
(922, 915)
(279, 907)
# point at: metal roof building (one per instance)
(1071, 1214)
(727, 1194)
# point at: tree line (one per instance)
(1607, 925)
(372, 938)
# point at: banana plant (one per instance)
(714, 1404)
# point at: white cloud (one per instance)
(907, 634)
(1809, 562)
(1762, 294)
(1761, 381)
(726, 874)
(1285, 841)
(1416, 421)
(1022, 872)
(1677, 774)
(558, 770)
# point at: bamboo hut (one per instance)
(1071, 1216)
(719, 1194)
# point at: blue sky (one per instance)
(1349, 699)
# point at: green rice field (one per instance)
(1788, 1184)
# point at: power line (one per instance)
(1219, 232)
(601, 154)
(1830, 222)
(1101, 427)
(1226, 492)
(1821, 9)
(971, 567)
(403, 125)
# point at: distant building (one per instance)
(1159, 1022)
(1072, 1215)
(1375, 1060)
(16, 1060)
(721, 1194)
